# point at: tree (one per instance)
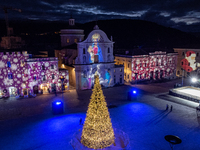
(97, 130)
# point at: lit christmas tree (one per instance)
(97, 130)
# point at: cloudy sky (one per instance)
(180, 14)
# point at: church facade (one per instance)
(95, 55)
(90, 56)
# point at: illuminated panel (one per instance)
(190, 91)
(94, 49)
(189, 63)
(87, 77)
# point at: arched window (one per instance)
(33, 68)
(84, 51)
(183, 54)
(43, 67)
(157, 62)
(52, 66)
(162, 61)
(8, 64)
(84, 74)
(44, 78)
(84, 59)
(108, 50)
(22, 63)
(10, 76)
(34, 78)
(108, 58)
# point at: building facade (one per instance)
(155, 66)
(71, 35)
(11, 42)
(68, 52)
(20, 74)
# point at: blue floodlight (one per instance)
(58, 103)
(57, 107)
(134, 91)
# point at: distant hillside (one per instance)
(133, 33)
(127, 34)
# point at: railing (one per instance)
(175, 92)
(42, 59)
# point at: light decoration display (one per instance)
(189, 63)
(88, 76)
(26, 73)
(97, 130)
(94, 49)
(156, 65)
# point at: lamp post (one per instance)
(62, 80)
(182, 75)
(136, 79)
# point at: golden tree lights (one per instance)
(97, 130)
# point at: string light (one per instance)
(97, 130)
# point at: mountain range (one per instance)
(127, 34)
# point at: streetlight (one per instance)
(182, 75)
(62, 80)
(194, 80)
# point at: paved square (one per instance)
(28, 124)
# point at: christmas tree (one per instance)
(97, 130)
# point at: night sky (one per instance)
(180, 14)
